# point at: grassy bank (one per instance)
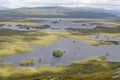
(91, 69)
(12, 42)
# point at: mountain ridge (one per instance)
(58, 12)
(3, 8)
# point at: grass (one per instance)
(90, 69)
(98, 42)
(8, 64)
(27, 62)
(84, 35)
(16, 39)
(57, 53)
(107, 22)
(11, 41)
(95, 30)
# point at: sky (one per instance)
(106, 4)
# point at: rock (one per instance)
(118, 69)
(117, 75)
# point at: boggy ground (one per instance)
(13, 42)
(91, 69)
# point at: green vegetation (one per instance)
(8, 64)
(11, 41)
(102, 31)
(57, 53)
(107, 22)
(27, 62)
(90, 69)
(95, 30)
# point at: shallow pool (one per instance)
(75, 50)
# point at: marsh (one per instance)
(73, 52)
(23, 48)
(59, 40)
(49, 25)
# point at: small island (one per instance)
(57, 53)
(27, 62)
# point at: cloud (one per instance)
(68, 3)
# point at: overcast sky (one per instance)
(108, 4)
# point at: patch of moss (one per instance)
(27, 62)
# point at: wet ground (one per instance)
(75, 50)
(54, 25)
(103, 38)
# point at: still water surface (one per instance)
(74, 51)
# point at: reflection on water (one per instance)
(74, 51)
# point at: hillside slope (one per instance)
(57, 12)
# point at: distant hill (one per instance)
(57, 12)
(3, 8)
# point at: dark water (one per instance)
(73, 52)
